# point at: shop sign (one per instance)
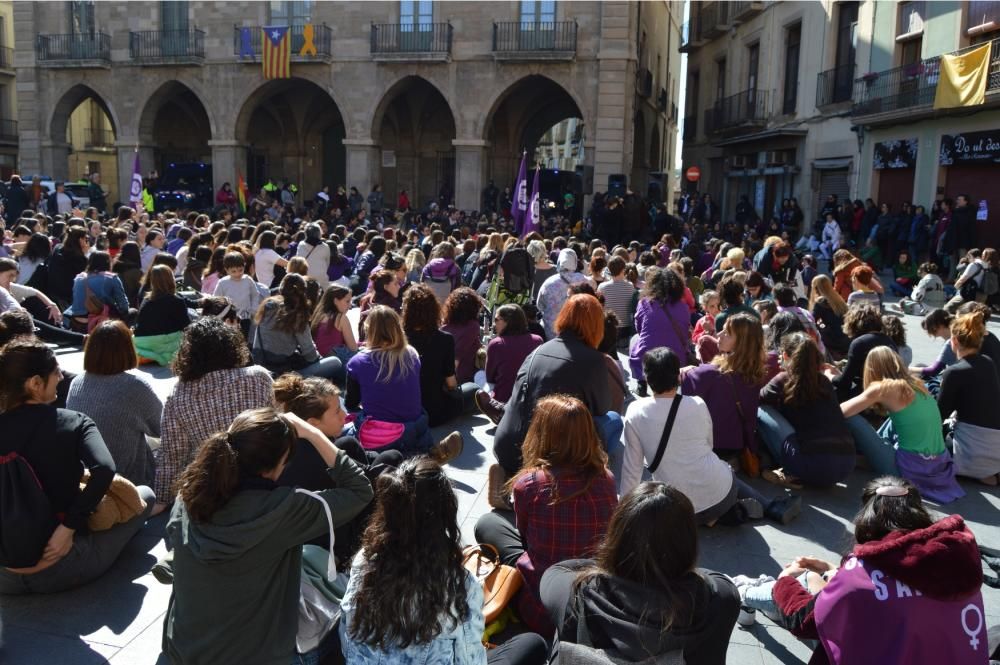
(971, 147)
(895, 154)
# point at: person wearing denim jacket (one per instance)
(102, 282)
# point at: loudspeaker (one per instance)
(617, 184)
(655, 187)
(585, 178)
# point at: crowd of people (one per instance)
(635, 387)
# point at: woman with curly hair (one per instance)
(283, 339)
(563, 498)
(461, 320)
(661, 319)
(863, 325)
(416, 520)
(215, 382)
(441, 394)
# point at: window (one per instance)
(292, 13)
(847, 34)
(720, 80)
(174, 15)
(793, 40)
(984, 17)
(81, 17)
(911, 18)
(753, 65)
(538, 11)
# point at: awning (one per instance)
(832, 163)
(761, 136)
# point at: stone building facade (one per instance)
(8, 92)
(413, 95)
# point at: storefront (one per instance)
(970, 165)
(895, 166)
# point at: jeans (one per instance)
(92, 554)
(739, 490)
(497, 529)
(328, 368)
(877, 447)
(822, 469)
(773, 430)
(899, 290)
(761, 597)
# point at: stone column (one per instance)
(363, 164)
(229, 160)
(470, 173)
(55, 159)
(126, 161)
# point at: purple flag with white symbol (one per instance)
(135, 191)
(534, 220)
(520, 207)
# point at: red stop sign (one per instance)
(693, 174)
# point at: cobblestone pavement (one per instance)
(119, 618)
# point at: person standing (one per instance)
(98, 199)
(963, 220)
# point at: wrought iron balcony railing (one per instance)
(834, 85)
(74, 50)
(534, 38)
(167, 46)
(411, 39)
(744, 110)
(247, 42)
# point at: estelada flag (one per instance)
(241, 192)
(962, 79)
(277, 56)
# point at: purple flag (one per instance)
(535, 208)
(135, 192)
(520, 207)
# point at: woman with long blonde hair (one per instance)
(383, 382)
(909, 442)
(828, 310)
(564, 480)
(731, 383)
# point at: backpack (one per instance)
(518, 270)
(991, 282)
(27, 519)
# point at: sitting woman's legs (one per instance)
(773, 429)
(497, 529)
(880, 453)
(521, 649)
(327, 368)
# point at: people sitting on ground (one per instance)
(970, 391)
(863, 325)
(755, 289)
(563, 497)
(894, 329)
(927, 295)
(48, 546)
(460, 316)
(731, 292)
(214, 272)
(416, 518)
(844, 263)
(95, 289)
(331, 328)
(800, 421)
(441, 273)
(215, 382)
(568, 364)
(443, 397)
(162, 318)
(283, 340)
(317, 401)
(787, 301)
(887, 598)
(554, 292)
(618, 295)
(904, 274)
(991, 344)
(44, 311)
(661, 319)
(730, 384)
(385, 291)
(316, 253)
(505, 354)
(241, 289)
(828, 310)
(705, 326)
(383, 387)
(120, 400)
(937, 325)
(910, 441)
(687, 460)
(237, 538)
(643, 596)
(863, 294)
(69, 258)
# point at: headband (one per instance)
(225, 310)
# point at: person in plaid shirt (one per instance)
(564, 496)
(214, 385)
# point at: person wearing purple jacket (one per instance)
(661, 319)
(908, 593)
(442, 266)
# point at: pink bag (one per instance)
(376, 434)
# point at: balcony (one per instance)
(8, 131)
(834, 86)
(166, 47)
(96, 138)
(516, 41)
(248, 44)
(911, 88)
(6, 57)
(74, 50)
(743, 11)
(644, 82)
(738, 114)
(714, 19)
(395, 42)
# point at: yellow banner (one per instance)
(308, 47)
(962, 80)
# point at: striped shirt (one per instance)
(618, 299)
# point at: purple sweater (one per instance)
(396, 401)
(655, 329)
(720, 392)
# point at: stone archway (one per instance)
(83, 133)
(176, 123)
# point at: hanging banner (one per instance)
(971, 147)
(900, 154)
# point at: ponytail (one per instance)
(257, 442)
(804, 359)
(305, 397)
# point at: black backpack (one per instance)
(27, 519)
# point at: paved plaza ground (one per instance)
(120, 617)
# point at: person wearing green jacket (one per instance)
(237, 539)
(905, 274)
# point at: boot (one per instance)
(448, 449)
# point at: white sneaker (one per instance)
(747, 617)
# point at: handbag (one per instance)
(120, 503)
(318, 613)
(749, 461)
(376, 434)
(500, 582)
(691, 357)
(665, 437)
(969, 288)
(278, 363)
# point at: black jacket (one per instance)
(63, 269)
(620, 616)
(165, 315)
(848, 383)
(963, 222)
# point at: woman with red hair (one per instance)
(568, 364)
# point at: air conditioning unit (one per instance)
(738, 162)
(777, 157)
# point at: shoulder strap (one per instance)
(681, 337)
(331, 565)
(665, 437)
